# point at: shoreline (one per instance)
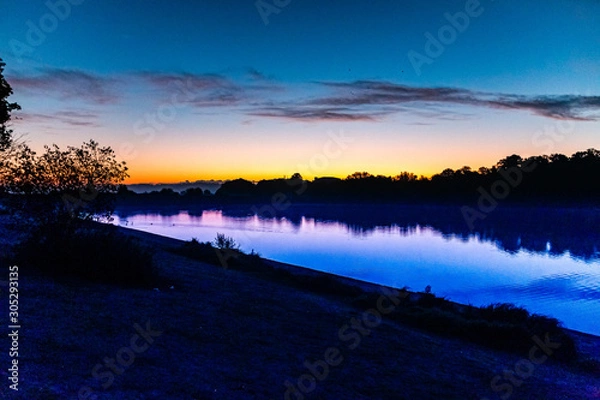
(302, 271)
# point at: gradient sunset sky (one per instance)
(198, 90)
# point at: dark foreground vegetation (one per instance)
(499, 326)
(91, 251)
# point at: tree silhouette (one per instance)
(359, 175)
(63, 183)
(405, 177)
(5, 110)
(510, 161)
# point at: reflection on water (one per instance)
(546, 259)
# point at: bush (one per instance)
(501, 326)
(91, 251)
(199, 251)
(223, 242)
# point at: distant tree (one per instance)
(588, 155)
(466, 170)
(537, 161)
(484, 171)
(193, 193)
(405, 177)
(447, 173)
(6, 109)
(296, 176)
(167, 192)
(236, 188)
(558, 158)
(359, 175)
(514, 160)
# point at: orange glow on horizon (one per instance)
(166, 178)
(171, 165)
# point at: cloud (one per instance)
(256, 75)
(185, 80)
(312, 114)
(212, 90)
(382, 93)
(70, 118)
(571, 107)
(67, 84)
(198, 90)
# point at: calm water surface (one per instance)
(480, 267)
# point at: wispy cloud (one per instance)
(69, 118)
(382, 93)
(312, 114)
(210, 90)
(256, 75)
(67, 84)
(570, 107)
(199, 90)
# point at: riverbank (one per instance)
(218, 333)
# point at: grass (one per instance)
(500, 326)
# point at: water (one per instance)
(548, 263)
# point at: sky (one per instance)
(200, 90)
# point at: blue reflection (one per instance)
(549, 265)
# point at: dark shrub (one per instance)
(206, 252)
(501, 326)
(91, 251)
(430, 300)
(504, 312)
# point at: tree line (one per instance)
(544, 179)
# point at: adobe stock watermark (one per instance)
(447, 34)
(351, 335)
(267, 7)
(38, 31)
(14, 326)
(504, 384)
(124, 358)
(332, 149)
(512, 177)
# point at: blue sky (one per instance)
(208, 90)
